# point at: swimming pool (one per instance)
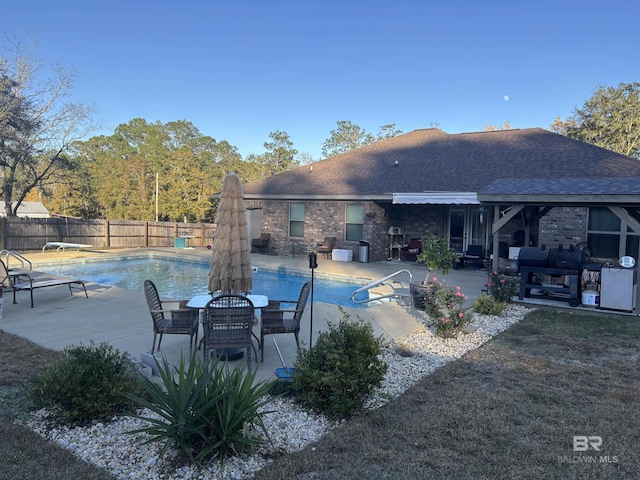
(181, 279)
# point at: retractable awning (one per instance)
(437, 198)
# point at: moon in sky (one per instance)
(506, 98)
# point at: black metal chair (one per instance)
(261, 244)
(474, 255)
(275, 319)
(227, 324)
(176, 321)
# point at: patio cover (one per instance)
(436, 198)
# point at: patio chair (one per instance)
(411, 251)
(327, 246)
(177, 321)
(275, 319)
(227, 322)
(261, 244)
(474, 255)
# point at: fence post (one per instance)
(3, 222)
(146, 234)
(107, 234)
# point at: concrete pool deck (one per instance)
(121, 317)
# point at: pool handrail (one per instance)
(380, 282)
(12, 253)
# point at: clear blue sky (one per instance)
(241, 69)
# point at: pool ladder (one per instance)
(383, 281)
(12, 253)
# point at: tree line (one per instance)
(44, 154)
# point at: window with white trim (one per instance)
(296, 219)
(354, 225)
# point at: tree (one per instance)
(494, 128)
(305, 158)
(37, 125)
(349, 136)
(609, 119)
(280, 155)
(116, 174)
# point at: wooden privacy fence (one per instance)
(23, 234)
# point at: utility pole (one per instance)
(157, 175)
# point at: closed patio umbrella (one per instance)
(230, 270)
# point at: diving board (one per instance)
(63, 245)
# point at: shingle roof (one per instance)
(431, 160)
(565, 186)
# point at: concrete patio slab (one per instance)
(121, 317)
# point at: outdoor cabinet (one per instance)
(617, 288)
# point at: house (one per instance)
(27, 210)
(519, 187)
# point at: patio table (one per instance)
(200, 301)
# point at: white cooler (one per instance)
(341, 255)
(590, 298)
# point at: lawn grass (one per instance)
(24, 454)
(507, 410)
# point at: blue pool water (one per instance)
(178, 279)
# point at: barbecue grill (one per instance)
(555, 262)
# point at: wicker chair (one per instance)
(327, 246)
(261, 244)
(275, 319)
(180, 321)
(228, 322)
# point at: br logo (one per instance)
(582, 443)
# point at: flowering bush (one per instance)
(447, 307)
(502, 287)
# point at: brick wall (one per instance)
(563, 226)
(322, 219)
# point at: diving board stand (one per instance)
(64, 245)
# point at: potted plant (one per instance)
(436, 254)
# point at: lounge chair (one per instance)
(19, 282)
(275, 319)
(176, 321)
(261, 244)
(327, 246)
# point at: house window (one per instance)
(354, 227)
(296, 220)
(608, 236)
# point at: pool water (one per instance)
(179, 279)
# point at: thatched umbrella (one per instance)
(230, 261)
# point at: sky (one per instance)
(241, 69)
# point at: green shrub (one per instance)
(205, 410)
(502, 287)
(90, 383)
(486, 305)
(341, 369)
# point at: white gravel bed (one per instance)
(291, 427)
